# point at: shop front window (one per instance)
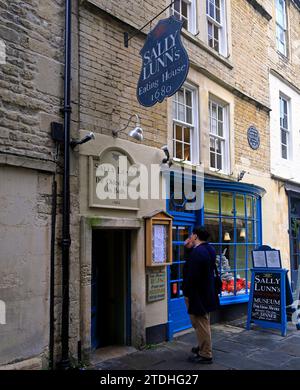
(295, 238)
(233, 224)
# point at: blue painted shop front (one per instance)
(232, 215)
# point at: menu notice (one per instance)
(266, 303)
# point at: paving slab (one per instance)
(234, 348)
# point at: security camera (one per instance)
(85, 139)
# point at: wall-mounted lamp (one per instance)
(136, 133)
(227, 237)
(166, 160)
(85, 139)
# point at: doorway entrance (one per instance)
(110, 306)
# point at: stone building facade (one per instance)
(109, 281)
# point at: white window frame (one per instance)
(194, 126)
(281, 27)
(191, 14)
(287, 130)
(225, 149)
(220, 25)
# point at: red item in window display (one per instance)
(224, 285)
(174, 288)
(230, 286)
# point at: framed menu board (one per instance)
(266, 257)
(158, 237)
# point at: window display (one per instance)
(232, 222)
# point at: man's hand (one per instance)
(188, 243)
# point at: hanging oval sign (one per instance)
(165, 63)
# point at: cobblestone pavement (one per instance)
(234, 348)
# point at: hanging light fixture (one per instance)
(243, 233)
(227, 237)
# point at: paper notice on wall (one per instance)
(159, 244)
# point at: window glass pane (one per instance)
(183, 233)
(241, 251)
(181, 96)
(174, 272)
(213, 126)
(285, 122)
(216, 38)
(241, 282)
(284, 152)
(220, 129)
(179, 153)
(250, 248)
(212, 160)
(185, 23)
(240, 205)
(249, 207)
(212, 226)
(174, 233)
(184, 9)
(181, 112)
(188, 97)
(187, 152)
(219, 162)
(211, 9)
(189, 115)
(178, 133)
(181, 265)
(283, 137)
(177, 5)
(251, 226)
(211, 202)
(227, 274)
(187, 132)
(180, 290)
(227, 204)
(218, 15)
(295, 207)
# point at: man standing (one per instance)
(199, 291)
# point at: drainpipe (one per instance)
(64, 363)
(52, 270)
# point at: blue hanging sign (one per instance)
(165, 63)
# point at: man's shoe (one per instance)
(195, 350)
(204, 360)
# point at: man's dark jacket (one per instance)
(198, 280)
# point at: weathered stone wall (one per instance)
(246, 115)
(31, 96)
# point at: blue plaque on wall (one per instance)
(253, 137)
(165, 63)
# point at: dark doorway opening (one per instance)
(111, 316)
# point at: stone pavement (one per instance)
(234, 348)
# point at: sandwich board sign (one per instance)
(270, 292)
(165, 63)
